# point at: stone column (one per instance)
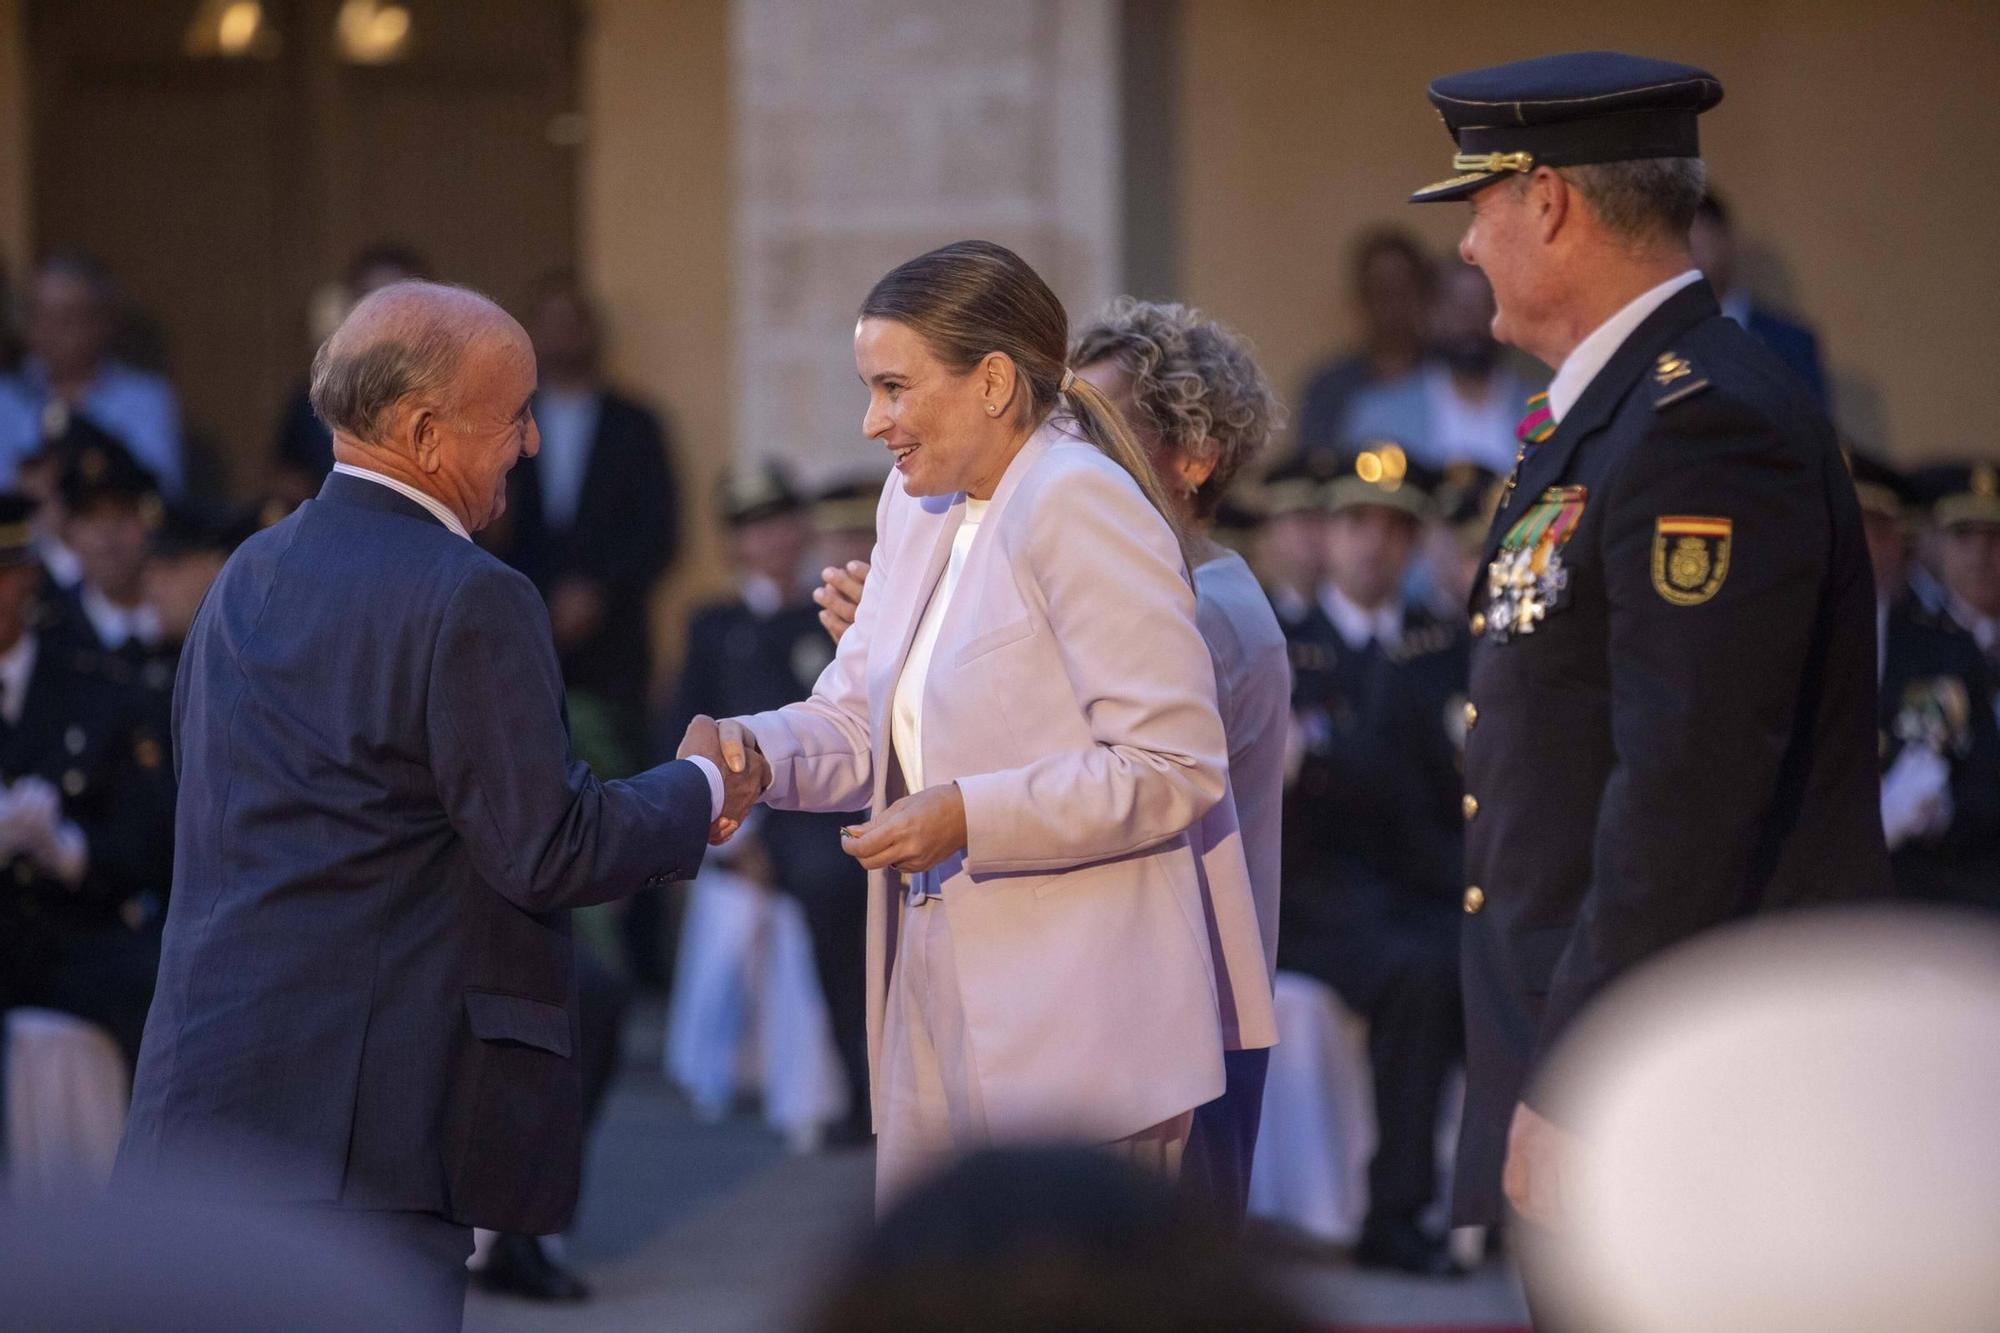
(869, 131)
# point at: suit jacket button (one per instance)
(1478, 623)
(1470, 805)
(1475, 898)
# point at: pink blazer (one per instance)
(1073, 701)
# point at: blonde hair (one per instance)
(1194, 381)
(973, 298)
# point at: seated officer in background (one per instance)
(111, 509)
(764, 649)
(1361, 911)
(1964, 501)
(86, 815)
(1940, 749)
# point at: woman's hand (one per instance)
(839, 596)
(914, 834)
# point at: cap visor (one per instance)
(1456, 187)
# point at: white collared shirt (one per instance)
(1590, 356)
(17, 668)
(568, 423)
(116, 626)
(430, 502)
(1356, 627)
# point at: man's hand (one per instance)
(745, 772)
(914, 834)
(576, 611)
(839, 596)
(1537, 1153)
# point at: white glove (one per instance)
(33, 826)
(1916, 796)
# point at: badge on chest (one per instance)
(1528, 578)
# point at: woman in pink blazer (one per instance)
(1027, 705)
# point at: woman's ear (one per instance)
(998, 380)
(1194, 472)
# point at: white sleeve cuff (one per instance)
(714, 776)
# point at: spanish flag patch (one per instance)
(1690, 557)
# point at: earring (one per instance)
(992, 408)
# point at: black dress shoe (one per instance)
(1399, 1243)
(518, 1266)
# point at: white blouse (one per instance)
(906, 714)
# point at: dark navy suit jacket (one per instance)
(368, 990)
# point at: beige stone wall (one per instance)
(1853, 145)
(869, 131)
(16, 233)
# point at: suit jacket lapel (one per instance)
(1545, 462)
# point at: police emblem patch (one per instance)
(1527, 578)
(1690, 557)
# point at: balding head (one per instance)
(430, 383)
(408, 340)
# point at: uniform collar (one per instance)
(1590, 356)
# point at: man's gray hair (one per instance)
(1642, 201)
(354, 388)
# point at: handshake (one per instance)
(745, 772)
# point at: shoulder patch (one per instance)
(1675, 377)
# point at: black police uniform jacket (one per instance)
(1938, 692)
(91, 948)
(1674, 677)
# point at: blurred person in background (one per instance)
(1194, 397)
(1712, 242)
(1289, 549)
(86, 814)
(1965, 512)
(1463, 404)
(1392, 279)
(593, 519)
(1012, 1240)
(39, 477)
(111, 509)
(302, 446)
(1940, 748)
(72, 313)
(764, 649)
(1362, 910)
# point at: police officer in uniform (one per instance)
(1940, 748)
(761, 650)
(86, 815)
(1673, 666)
(1357, 912)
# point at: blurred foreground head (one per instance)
(1787, 1128)
(1046, 1239)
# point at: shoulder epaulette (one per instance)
(1674, 378)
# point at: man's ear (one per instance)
(1550, 202)
(422, 429)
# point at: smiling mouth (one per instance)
(903, 452)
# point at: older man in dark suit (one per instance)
(367, 1002)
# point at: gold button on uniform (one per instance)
(1470, 805)
(1475, 898)
(1471, 715)
(1478, 623)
